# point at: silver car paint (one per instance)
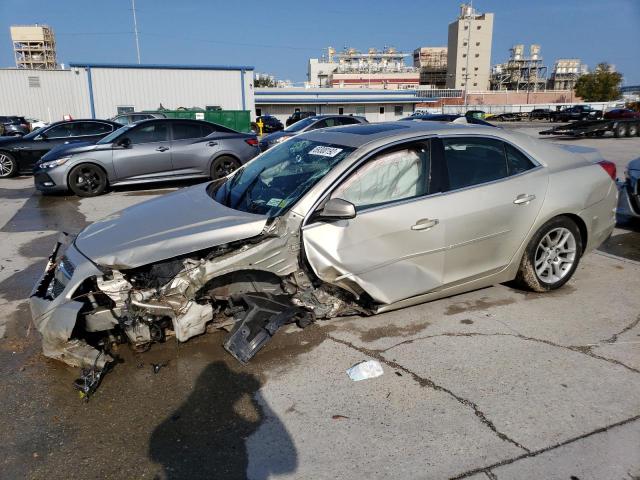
(565, 184)
(190, 221)
(154, 161)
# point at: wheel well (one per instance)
(223, 154)
(581, 226)
(88, 163)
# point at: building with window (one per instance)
(98, 90)
(432, 63)
(373, 104)
(469, 50)
(350, 68)
(566, 72)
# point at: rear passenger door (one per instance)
(190, 151)
(91, 131)
(493, 194)
(149, 155)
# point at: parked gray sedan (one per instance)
(147, 151)
(354, 219)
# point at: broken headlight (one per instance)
(61, 276)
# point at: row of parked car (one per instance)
(88, 156)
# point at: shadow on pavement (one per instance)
(206, 436)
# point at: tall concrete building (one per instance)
(34, 47)
(469, 50)
(432, 62)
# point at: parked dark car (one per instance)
(618, 113)
(161, 149)
(631, 188)
(577, 112)
(297, 116)
(505, 117)
(19, 154)
(480, 114)
(539, 114)
(270, 124)
(308, 124)
(133, 117)
(15, 126)
(447, 117)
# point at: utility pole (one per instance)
(135, 28)
(466, 68)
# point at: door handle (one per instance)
(212, 144)
(524, 199)
(425, 224)
(162, 149)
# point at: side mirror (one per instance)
(124, 142)
(337, 209)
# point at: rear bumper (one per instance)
(600, 219)
(629, 201)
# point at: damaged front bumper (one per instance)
(55, 310)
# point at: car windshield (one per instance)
(115, 134)
(296, 127)
(275, 180)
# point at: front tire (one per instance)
(8, 165)
(551, 257)
(223, 166)
(620, 130)
(87, 180)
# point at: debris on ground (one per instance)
(157, 366)
(90, 379)
(340, 417)
(365, 370)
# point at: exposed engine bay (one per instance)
(251, 287)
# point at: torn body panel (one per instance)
(177, 297)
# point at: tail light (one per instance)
(609, 167)
(254, 142)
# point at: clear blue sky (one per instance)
(278, 36)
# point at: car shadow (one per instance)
(206, 436)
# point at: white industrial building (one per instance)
(97, 90)
(374, 104)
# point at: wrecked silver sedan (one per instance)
(358, 219)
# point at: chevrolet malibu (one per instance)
(355, 219)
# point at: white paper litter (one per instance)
(364, 370)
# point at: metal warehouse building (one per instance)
(101, 90)
(374, 104)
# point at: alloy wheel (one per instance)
(87, 179)
(555, 255)
(6, 165)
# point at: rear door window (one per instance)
(91, 128)
(148, 133)
(473, 161)
(186, 130)
(517, 162)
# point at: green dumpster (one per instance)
(239, 120)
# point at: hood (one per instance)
(175, 224)
(7, 140)
(68, 149)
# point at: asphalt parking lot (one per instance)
(493, 384)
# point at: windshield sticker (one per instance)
(274, 202)
(325, 151)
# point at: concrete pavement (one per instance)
(495, 383)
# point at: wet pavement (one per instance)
(495, 383)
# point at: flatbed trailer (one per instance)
(627, 127)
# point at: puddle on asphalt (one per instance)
(474, 305)
(625, 245)
(384, 331)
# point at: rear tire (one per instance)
(620, 130)
(8, 165)
(551, 257)
(632, 130)
(223, 166)
(87, 180)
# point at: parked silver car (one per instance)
(147, 151)
(356, 219)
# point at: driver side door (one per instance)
(49, 138)
(148, 156)
(394, 247)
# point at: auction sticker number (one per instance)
(325, 151)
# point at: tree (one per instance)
(264, 81)
(601, 85)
